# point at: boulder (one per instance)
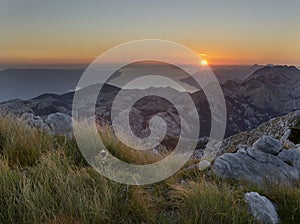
(261, 208)
(292, 157)
(60, 124)
(203, 164)
(268, 144)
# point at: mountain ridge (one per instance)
(249, 102)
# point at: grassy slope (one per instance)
(43, 179)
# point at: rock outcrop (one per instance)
(266, 162)
(37, 122)
(60, 124)
(56, 123)
(292, 157)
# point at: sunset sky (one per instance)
(223, 32)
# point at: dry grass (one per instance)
(44, 179)
(125, 153)
(207, 202)
(20, 144)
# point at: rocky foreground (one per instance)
(267, 155)
(265, 162)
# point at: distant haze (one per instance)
(29, 83)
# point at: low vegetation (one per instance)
(44, 179)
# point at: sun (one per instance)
(203, 62)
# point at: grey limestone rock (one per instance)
(258, 167)
(261, 208)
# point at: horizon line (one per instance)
(83, 66)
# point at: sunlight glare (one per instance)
(203, 62)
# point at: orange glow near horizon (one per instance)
(61, 52)
(70, 56)
(213, 60)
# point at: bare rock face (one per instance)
(260, 164)
(261, 208)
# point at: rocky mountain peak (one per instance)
(275, 71)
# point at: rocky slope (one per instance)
(284, 128)
(267, 154)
